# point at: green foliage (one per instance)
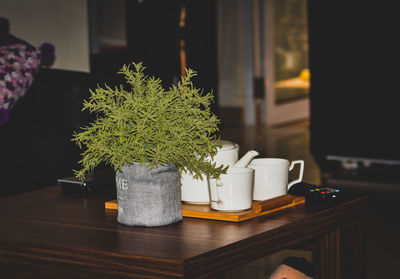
(150, 125)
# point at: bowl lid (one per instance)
(227, 145)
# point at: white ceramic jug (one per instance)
(195, 191)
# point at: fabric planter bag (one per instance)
(148, 197)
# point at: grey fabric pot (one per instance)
(148, 197)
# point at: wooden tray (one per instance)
(258, 209)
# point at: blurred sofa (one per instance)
(35, 144)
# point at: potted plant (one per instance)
(149, 135)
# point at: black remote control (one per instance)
(322, 197)
(316, 196)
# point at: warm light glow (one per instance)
(302, 81)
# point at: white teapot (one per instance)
(195, 191)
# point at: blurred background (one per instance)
(298, 79)
(269, 63)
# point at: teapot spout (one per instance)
(245, 160)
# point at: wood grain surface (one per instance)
(45, 234)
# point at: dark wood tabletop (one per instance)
(45, 234)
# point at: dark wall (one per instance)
(201, 41)
(354, 79)
(153, 36)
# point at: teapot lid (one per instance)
(227, 145)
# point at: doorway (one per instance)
(263, 60)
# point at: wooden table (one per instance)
(44, 234)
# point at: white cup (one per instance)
(271, 177)
(232, 191)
